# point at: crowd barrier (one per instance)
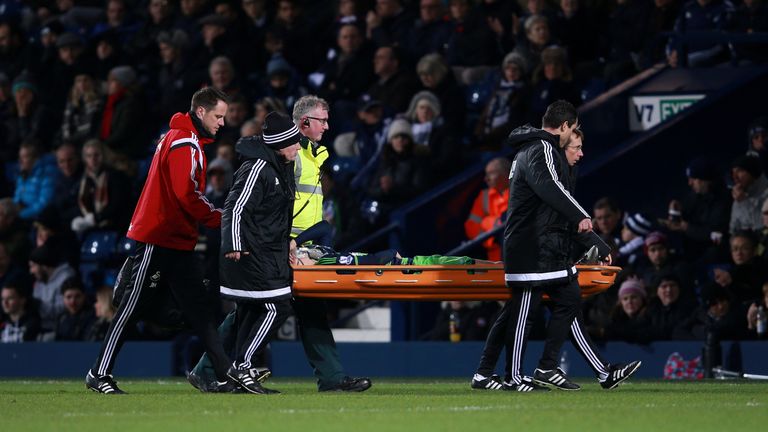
(395, 359)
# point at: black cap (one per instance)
(279, 131)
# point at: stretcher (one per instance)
(460, 282)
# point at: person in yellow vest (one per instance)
(310, 113)
(490, 205)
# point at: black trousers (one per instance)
(182, 274)
(513, 325)
(256, 324)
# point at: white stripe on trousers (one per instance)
(591, 357)
(123, 319)
(269, 320)
(525, 304)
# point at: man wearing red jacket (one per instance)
(165, 225)
(490, 205)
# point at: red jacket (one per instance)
(173, 201)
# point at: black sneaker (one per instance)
(102, 384)
(245, 380)
(526, 385)
(260, 375)
(619, 373)
(492, 382)
(554, 378)
(349, 384)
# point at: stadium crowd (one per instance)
(416, 88)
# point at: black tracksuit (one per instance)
(257, 222)
(538, 242)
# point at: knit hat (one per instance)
(24, 81)
(750, 164)
(67, 40)
(517, 59)
(655, 238)
(632, 286)
(365, 102)
(213, 19)
(701, 168)
(279, 131)
(640, 224)
(125, 75)
(429, 98)
(399, 127)
(177, 39)
(278, 66)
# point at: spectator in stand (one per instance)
(552, 80)
(629, 320)
(396, 83)
(624, 38)
(220, 176)
(119, 21)
(109, 54)
(537, 37)
(661, 19)
(719, 316)
(430, 33)
(31, 119)
(48, 227)
(176, 77)
(636, 227)
(13, 231)
(75, 321)
(437, 77)
(222, 76)
(123, 113)
(68, 186)
(762, 247)
(471, 42)
(658, 260)
(758, 140)
(258, 20)
(752, 312)
(36, 182)
(190, 13)
(105, 313)
(283, 82)
(432, 135)
(19, 321)
(350, 71)
(362, 147)
(490, 206)
(9, 271)
(701, 218)
(750, 189)
(72, 60)
(508, 105)
(159, 19)
(236, 115)
(668, 309)
(744, 275)
(401, 174)
(389, 23)
(104, 197)
(15, 53)
(608, 217)
(50, 271)
(701, 15)
(577, 26)
(217, 41)
(474, 320)
(751, 17)
(300, 44)
(82, 111)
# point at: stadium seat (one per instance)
(98, 246)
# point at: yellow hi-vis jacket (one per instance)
(308, 207)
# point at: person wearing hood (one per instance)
(540, 233)
(255, 235)
(165, 227)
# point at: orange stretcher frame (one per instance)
(460, 282)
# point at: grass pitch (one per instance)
(390, 405)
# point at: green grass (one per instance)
(391, 405)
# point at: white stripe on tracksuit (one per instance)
(242, 200)
(525, 304)
(590, 355)
(266, 325)
(123, 319)
(551, 166)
